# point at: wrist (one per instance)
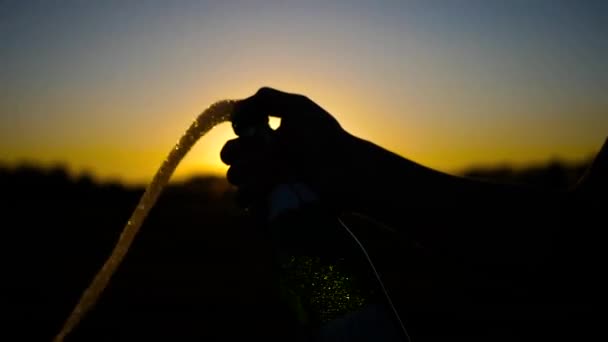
(375, 181)
(364, 176)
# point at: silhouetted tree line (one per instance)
(198, 270)
(553, 175)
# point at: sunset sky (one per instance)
(109, 86)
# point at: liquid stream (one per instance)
(217, 113)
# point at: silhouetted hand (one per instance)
(349, 173)
(308, 147)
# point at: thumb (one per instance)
(254, 110)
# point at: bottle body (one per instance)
(321, 276)
(322, 273)
(325, 276)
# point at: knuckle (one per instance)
(301, 98)
(229, 151)
(233, 176)
(263, 89)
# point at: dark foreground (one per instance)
(198, 271)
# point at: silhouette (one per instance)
(201, 271)
(492, 255)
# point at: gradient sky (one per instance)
(110, 86)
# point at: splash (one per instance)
(217, 113)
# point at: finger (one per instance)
(242, 149)
(269, 101)
(256, 172)
(252, 112)
(230, 151)
(262, 171)
(238, 174)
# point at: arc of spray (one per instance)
(217, 113)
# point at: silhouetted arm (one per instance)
(352, 174)
(483, 249)
(433, 206)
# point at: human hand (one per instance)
(309, 147)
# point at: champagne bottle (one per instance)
(325, 275)
(322, 275)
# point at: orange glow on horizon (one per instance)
(440, 148)
(112, 97)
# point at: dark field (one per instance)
(197, 271)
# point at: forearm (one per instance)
(431, 205)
